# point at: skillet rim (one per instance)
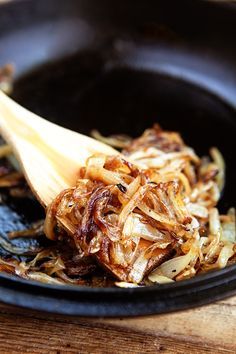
(119, 302)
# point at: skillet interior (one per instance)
(120, 68)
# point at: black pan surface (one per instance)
(119, 67)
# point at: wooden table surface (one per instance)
(208, 329)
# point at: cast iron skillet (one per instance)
(120, 66)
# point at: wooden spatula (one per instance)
(50, 155)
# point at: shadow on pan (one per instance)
(120, 69)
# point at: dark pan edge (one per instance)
(113, 302)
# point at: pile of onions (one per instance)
(146, 216)
(149, 214)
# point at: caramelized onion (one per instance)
(147, 216)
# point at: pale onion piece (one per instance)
(132, 204)
(186, 200)
(213, 251)
(162, 219)
(192, 244)
(196, 236)
(57, 265)
(194, 224)
(146, 153)
(129, 225)
(133, 187)
(190, 173)
(63, 208)
(197, 210)
(21, 269)
(173, 166)
(43, 254)
(67, 225)
(215, 234)
(204, 187)
(61, 275)
(232, 214)
(95, 170)
(229, 227)
(134, 227)
(225, 254)
(176, 155)
(43, 278)
(153, 162)
(191, 153)
(219, 161)
(214, 222)
(172, 176)
(138, 164)
(95, 243)
(179, 207)
(117, 254)
(152, 153)
(96, 161)
(187, 274)
(194, 194)
(106, 176)
(161, 244)
(215, 192)
(50, 224)
(138, 269)
(150, 250)
(204, 240)
(174, 266)
(160, 279)
(200, 189)
(184, 180)
(165, 201)
(229, 232)
(123, 284)
(131, 249)
(153, 158)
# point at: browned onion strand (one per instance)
(148, 217)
